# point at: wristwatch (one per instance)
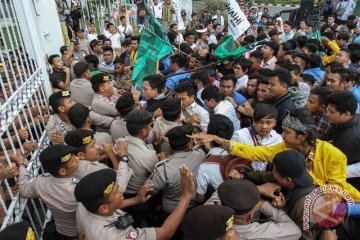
(124, 158)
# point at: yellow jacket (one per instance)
(335, 49)
(329, 166)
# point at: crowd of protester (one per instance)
(203, 149)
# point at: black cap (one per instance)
(95, 186)
(240, 195)
(63, 50)
(99, 79)
(76, 41)
(193, 14)
(78, 114)
(19, 231)
(56, 98)
(94, 42)
(125, 103)
(292, 164)
(183, 13)
(208, 222)
(80, 68)
(171, 105)
(80, 30)
(177, 135)
(141, 117)
(55, 156)
(79, 138)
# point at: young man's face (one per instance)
(209, 27)
(227, 87)
(107, 89)
(263, 92)
(72, 165)
(238, 71)
(134, 45)
(342, 57)
(123, 21)
(313, 105)
(176, 29)
(264, 20)
(287, 28)
(108, 57)
(92, 28)
(107, 43)
(119, 68)
(264, 126)
(190, 39)
(334, 116)
(256, 64)
(276, 88)
(112, 29)
(294, 77)
(80, 34)
(186, 100)
(66, 105)
(330, 21)
(251, 87)
(58, 63)
(211, 104)
(267, 51)
(148, 92)
(308, 30)
(91, 152)
(218, 29)
(300, 62)
(334, 83)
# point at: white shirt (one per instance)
(115, 40)
(209, 173)
(227, 109)
(349, 5)
(222, 22)
(212, 39)
(198, 95)
(124, 30)
(195, 108)
(244, 136)
(157, 10)
(241, 82)
(180, 38)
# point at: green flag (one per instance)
(315, 34)
(156, 27)
(151, 49)
(228, 50)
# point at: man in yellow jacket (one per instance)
(325, 163)
(332, 48)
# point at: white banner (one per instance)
(182, 5)
(237, 21)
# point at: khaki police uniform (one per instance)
(95, 227)
(166, 176)
(123, 173)
(57, 194)
(118, 128)
(142, 160)
(161, 125)
(103, 137)
(81, 91)
(56, 125)
(104, 105)
(101, 122)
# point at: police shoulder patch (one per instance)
(132, 234)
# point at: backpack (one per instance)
(229, 162)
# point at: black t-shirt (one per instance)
(56, 77)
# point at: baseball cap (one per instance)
(183, 13)
(94, 42)
(292, 164)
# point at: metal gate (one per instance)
(23, 108)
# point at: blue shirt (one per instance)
(238, 98)
(166, 63)
(317, 73)
(173, 81)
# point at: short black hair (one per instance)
(172, 26)
(286, 46)
(179, 59)
(101, 37)
(189, 33)
(173, 114)
(106, 40)
(344, 101)
(288, 23)
(257, 54)
(329, 35)
(172, 36)
(135, 128)
(250, 38)
(283, 63)
(184, 47)
(108, 49)
(314, 61)
(264, 111)
(301, 41)
(312, 47)
(109, 24)
(294, 68)
(355, 56)
(343, 73)
(52, 57)
(308, 78)
(273, 45)
(119, 61)
(211, 92)
(229, 77)
(282, 74)
(126, 43)
(135, 38)
(198, 76)
(92, 60)
(220, 126)
(122, 17)
(156, 81)
(343, 36)
(244, 63)
(322, 93)
(259, 78)
(186, 86)
(303, 57)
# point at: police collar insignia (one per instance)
(229, 223)
(65, 93)
(106, 78)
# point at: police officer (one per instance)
(142, 157)
(88, 152)
(124, 105)
(59, 123)
(55, 187)
(104, 100)
(80, 87)
(79, 116)
(100, 198)
(166, 177)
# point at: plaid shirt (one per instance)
(322, 125)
